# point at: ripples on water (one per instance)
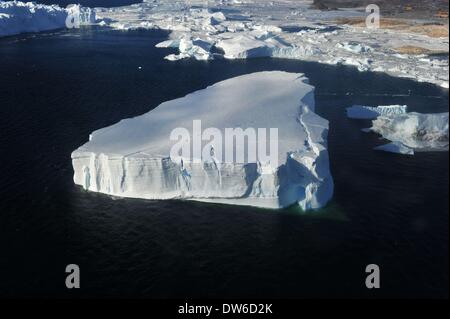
(55, 89)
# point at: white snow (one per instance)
(133, 157)
(421, 132)
(254, 28)
(19, 17)
(369, 113)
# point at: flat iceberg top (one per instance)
(258, 100)
(134, 158)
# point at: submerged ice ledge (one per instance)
(133, 157)
(205, 30)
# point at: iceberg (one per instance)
(416, 131)
(134, 158)
(19, 17)
(369, 113)
(408, 132)
(256, 44)
(197, 48)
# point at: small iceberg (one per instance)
(369, 113)
(413, 131)
(408, 132)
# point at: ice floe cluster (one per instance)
(134, 157)
(205, 30)
(408, 132)
(231, 29)
(20, 17)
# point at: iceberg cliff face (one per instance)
(19, 17)
(134, 157)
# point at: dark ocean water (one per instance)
(56, 88)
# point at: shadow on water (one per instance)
(387, 209)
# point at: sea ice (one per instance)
(253, 28)
(133, 158)
(262, 28)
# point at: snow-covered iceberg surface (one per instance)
(413, 132)
(133, 158)
(19, 17)
(369, 113)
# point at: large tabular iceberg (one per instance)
(133, 158)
